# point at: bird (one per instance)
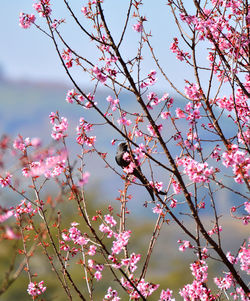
(137, 172)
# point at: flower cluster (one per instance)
(24, 207)
(197, 290)
(50, 167)
(36, 289)
(99, 74)
(59, 128)
(5, 181)
(67, 56)
(113, 102)
(180, 54)
(238, 161)
(26, 20)
(111, 295)
(150, 81)
(82, 129)
(197, 172)
(43, 8)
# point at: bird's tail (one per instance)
(145, 182)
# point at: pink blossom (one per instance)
(180, 54)
(231, 258)
(151, 79)
(56, 23)
(67, 57)
(120, 242)
(111, 295)
(59, 129)
(113, 102)
(224, 283)
(6, 216)
(179, 113)
(185, 245)
(165, 115)
(43, 8)
(197, 172)
(6, 181)
(244, 257)
(92, 250)
(247, 207)
(19, 143)
(138, 27)
(130, 168)
(10, 234)
(82, 137)
(173, 203)
(71, 95)
(84, 179)
(26, 20)
(152, 131)
(99, 74)
(193, 92)
(110, 220)
(124, 121)
(157, 209)
(238, 161)
(98, 275)
(166, 295)
(106, 229)
(176, 186)
(36, 289)
(49, 167)
(35, 142)
(157, 185)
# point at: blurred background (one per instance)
(33, 84)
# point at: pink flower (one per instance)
(110, 220)
(185, 245)
(244, 257)
(113, 102)
(179, 113)
(4, 182)
(247, 207)
(124, 121)
(111, 295)
(157, 185)
(36, 289)
(106, 229)
(180, 54)
(151, 79)
(98, 275)
(166, 295)
(85, 178)
(193, 92)
(173, 203)
(6, 216)
(165, 115)
(59, 129)
(224, 283)
(19, 143)
(138, 27)
(197, 172)
(99, 74)
(152, 131)
(157, 209)
(26, 20)
(120, 242)
(43, 8)
(92, 250)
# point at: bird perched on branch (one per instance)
(123, 158)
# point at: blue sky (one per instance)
(29, 54)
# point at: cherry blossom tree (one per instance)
(188, 149)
